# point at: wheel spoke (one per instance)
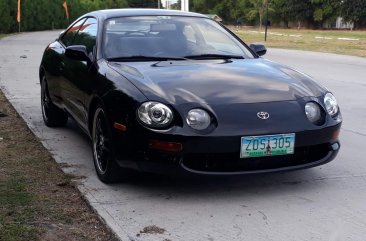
(105, 149)
(44, 99)
(106, 140)
(103, 160)
(98, 128)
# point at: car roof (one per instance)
(130, 12)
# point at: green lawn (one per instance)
(339, 42)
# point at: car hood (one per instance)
(213, 82)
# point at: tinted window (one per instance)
(218, 38)
(190, 34)
(173, 36)
(87, 34)
(69, 36)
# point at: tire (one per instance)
(105, 164)
(52, 115)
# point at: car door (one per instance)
(80, 75)
(57, 85)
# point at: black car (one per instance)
(176, 92)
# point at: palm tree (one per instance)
(259, 8)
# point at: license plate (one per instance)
(271, 145)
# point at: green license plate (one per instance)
(272, 145)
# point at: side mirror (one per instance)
(77, 52)
(260, 49)
(61, 33)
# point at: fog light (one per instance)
(198, 119)
(312, 111)
(335, 146)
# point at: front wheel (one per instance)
(52, 115)
(103, 154)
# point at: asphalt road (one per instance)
(323, 203)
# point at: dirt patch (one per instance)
(37, 200)
(153, 230)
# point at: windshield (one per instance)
(169, 37)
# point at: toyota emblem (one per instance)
(263, 115)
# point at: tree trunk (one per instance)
(260, 22)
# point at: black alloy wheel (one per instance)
(103, 153)
(52, 115)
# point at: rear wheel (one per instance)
(52, 115)
(103, 153)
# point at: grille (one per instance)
(231, 162)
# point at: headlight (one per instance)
(198, 119)
(313, 112)
(155, 114)
(331, 104)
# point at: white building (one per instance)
(340, 24)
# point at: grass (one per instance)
(15, 214)
(312, 40)
(37, 200)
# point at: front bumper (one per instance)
(221, 155)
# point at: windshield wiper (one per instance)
(144, 58)
(214, 56)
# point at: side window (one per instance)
(69, 36)
(87, 34)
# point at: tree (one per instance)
(114, 4)
(176, 6)
(258, 9)
(354, 11)
(48, 14)
(204, 6)
(238, 10)
(5, 17)
(229, 10)
(294, 10)
(324, 10)
(143, 3)
(282, 11)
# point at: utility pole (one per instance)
(185, 5)
(265, 32)
(159, 4)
